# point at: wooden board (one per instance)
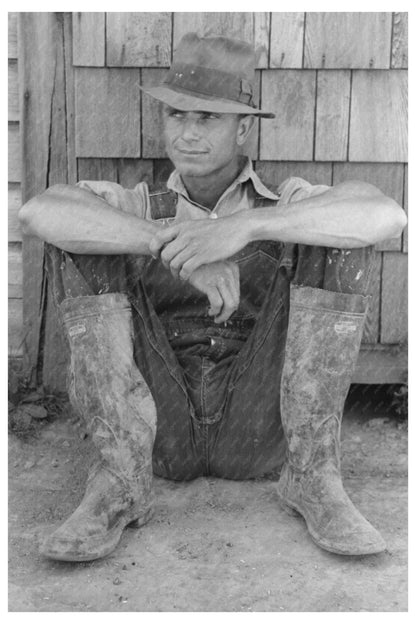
(290, 94)
(97, 169)
(14, 203)
(405, 206)
(14, 158)
(378, 128)
(42, 70)
(381, 364)
(139, 39)
(388, 177)
(16, 332)
(371, 332)
(88, 39)
(399, 42)
(12, 35)
(162, 169)
(348, 40)
(15, 271)
(13, 92)
(394, 298)
(332, 115)
(153, 145)
(286, 40)
(274, 173)
(107, 105)
(250, 27)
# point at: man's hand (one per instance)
(220, 281)
(188, 245)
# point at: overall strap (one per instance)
(162, 204)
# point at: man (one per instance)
(213, 326)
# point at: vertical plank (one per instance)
(378, 128)
(153, 145)
(14, 203)
(347, 40)
(388, 177)
(394, 298)
(405, 206)
(286, 40)
(139, 39)
(250, 27)
(399, 43)
(291, 95)
(44, 140)
(274, 173)
(132, 171)
(16, 332)
(12, 35)
(107, 105)
(69, 99)
(332, 115)
(88, 39)
(13, 91)
(14, 154)
(15, 271)
(372, 322)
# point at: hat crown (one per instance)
(228, 55)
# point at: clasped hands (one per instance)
(197, 251)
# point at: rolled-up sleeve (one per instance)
(133, 201)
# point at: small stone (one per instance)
(66, 444)
(116, 581)
(124, 567)
(55, 463)
(29, 464)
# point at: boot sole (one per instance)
(293, 510)
(103, 548)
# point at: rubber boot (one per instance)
(323, 341)
(107, 389)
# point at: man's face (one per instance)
(200, 143)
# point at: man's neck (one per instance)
(207, 190)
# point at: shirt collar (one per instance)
(175, 183)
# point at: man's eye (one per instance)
(176, 113)
(210, 116)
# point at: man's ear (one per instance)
(245, 126)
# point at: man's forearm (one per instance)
(330, 219)
(80, 222)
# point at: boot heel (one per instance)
(141, 520)
(291, 511)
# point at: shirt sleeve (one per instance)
(295, 189)
(133, 201)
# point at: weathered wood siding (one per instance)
(337, 81)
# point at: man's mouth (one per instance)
(191, 152)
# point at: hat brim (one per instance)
(186, 102)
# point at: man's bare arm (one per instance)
(80, 222)
(349, 215)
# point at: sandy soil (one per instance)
(213, 545)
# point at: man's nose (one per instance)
(190, 130)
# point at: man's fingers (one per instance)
(230, 302)
(215, 301)
(174, 250)
(190, 266)
(161, 238)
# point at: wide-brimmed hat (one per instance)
(212, 74)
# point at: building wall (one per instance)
(337, 82)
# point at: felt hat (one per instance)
(212, 74)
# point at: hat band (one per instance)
(210, 82)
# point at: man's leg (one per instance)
(108, 389)
(328, 304)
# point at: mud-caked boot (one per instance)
(108, 391)
(323, 341)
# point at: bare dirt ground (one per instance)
(213, 545)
